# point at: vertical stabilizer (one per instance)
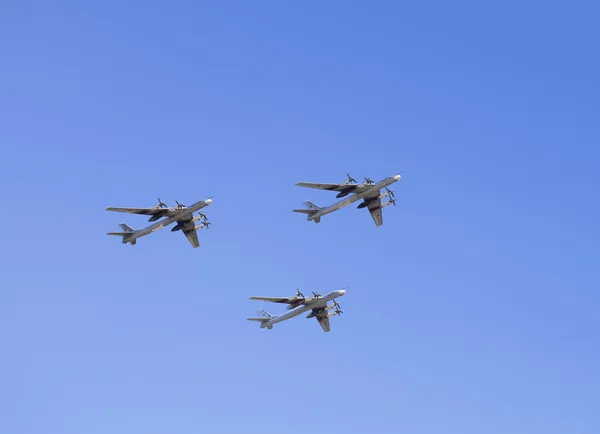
(311, 206)
(127, 234)
(263, 319)
(264, 313)
(311, 211)
(126, 228)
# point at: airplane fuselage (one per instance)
(317, 303)
(184, 215)
(353, 198)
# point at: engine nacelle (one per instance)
(157, 216)
(346, 191)
(293, 305)
(199, 227)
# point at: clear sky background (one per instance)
(474, 309)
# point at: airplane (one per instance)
(299, 304)
(368, 191)
(182, 215)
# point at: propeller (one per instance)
(180, 205)
(350, 179)
(391, 193)
(338, 308)
(161, 204)
(206, 224)
(201, 214)
(316, 294)
(393, 202)
(299, 294)
(369, 181)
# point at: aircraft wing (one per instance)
(375, 207)
(324, 322)
(192, 235)
(376, 212)
(284, 300)
(354, 188)
(146, 211)
(323, 318)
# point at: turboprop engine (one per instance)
(346, 191)
(366, 203)
(384, 195)
(294, 304)
(156, 216)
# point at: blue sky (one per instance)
(472, 310)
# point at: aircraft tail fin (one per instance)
(126, 228)
(126, 234)
(265, 317)
(260, 320)
(310, 211)
(311, 208)
(264, 313)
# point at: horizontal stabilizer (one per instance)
(263, 319)
(127, 235)
(310, 209)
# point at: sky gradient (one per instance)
(474, 309)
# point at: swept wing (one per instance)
(352, 188)
(373, 202)
(189, 230)
(323, 318)
(376, 212)
(148, 211)
(192, 236)
(283, 300)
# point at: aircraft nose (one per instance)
(208, 201)
(342, 291)
(397, 177)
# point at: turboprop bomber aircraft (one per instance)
(368, 191)
(299, 304)
(182, 215)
